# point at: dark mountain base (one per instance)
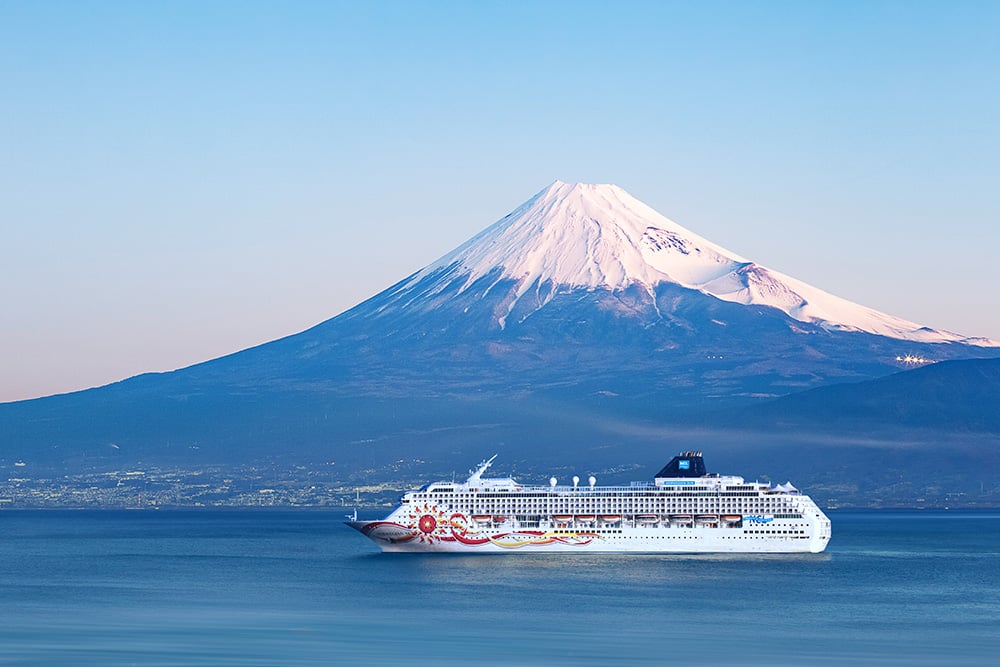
(406, 442)
(615, 381)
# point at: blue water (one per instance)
(299, 588)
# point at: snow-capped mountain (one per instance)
(571, 236)
(581, 319)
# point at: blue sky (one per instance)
(182, 180)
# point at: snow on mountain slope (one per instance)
(600, 237)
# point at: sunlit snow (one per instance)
(599, 236)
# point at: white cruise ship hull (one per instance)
(396, 538)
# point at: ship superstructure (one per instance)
(682, 510)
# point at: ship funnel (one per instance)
(687, 464)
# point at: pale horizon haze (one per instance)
(184, 180)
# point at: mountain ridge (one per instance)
(962, 392)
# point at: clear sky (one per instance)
(181, 180)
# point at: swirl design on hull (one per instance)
(430, 524)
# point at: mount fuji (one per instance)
(583, 318)
(584, 293)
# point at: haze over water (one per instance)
(299, 588)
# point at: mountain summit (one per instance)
(600, 237)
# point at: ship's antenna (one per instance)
(478, 472)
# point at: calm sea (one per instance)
(300, 588)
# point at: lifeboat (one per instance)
(707, 518)
(481, 517)
(647, 518)
(732, 518)
(585, 517)
(499, 519)
(562, 518)
(681, 518)
(611, 518)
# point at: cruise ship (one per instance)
(684, 509)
